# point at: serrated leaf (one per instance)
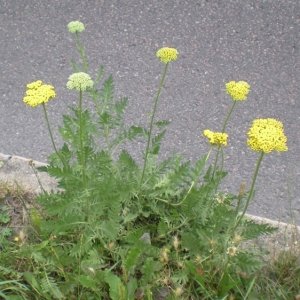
(41, 245)
(156, 141)
(248, 263)
(162, 228)
(49, 285)
(252, 230)
(99, 75)
(154, 150)
(105, 118)
(197, 170)
(162, 124)
(181, 276)
(130, 217)
(106, 93)
(148, 271)
(121, 105)
(109, 229)
(132, 259)
(190, 241)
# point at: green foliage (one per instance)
(118, 231)
(49, 286)
(4, 218)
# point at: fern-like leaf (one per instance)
(49, 286)
(132, 259)
(248, 263)
(162, 124)
(196, 171)
(156, 141)
(99, 75)
(252, 230)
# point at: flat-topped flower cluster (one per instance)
(38, 93)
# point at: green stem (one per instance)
(106, 134)
(228, 116)
(223, 130)
(82, 162)
(208, 154)
(222, 158)
(36, 175)
(220, 149)
(216, 160)
(106, 129)
(180, 203)
(51, 136)
(250, 193)
(81, 51)
(152, 119)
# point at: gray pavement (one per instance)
(252, 40)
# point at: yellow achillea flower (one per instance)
(75, 26)
(38, 93)
(238, 90)
(34, 85)
(167, 54)
(79, 81)
(267, 135)
(216, 138)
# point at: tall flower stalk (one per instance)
(216, 139)
(166, 55)
(77, 27)
(238, 92)
(265, 135)
(38, 93)
(50, 132)
(80, 81)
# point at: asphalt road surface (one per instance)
(218, 41)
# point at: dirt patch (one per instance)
(15, 207)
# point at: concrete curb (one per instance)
(19, 171)
(16, 170)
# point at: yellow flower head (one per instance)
(38, 93)
(75, 26)
(267, 135)
(79, 81)
(34, 85)
(167, 54)
(216, 138)
(238, 90)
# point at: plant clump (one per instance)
(119, 229)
